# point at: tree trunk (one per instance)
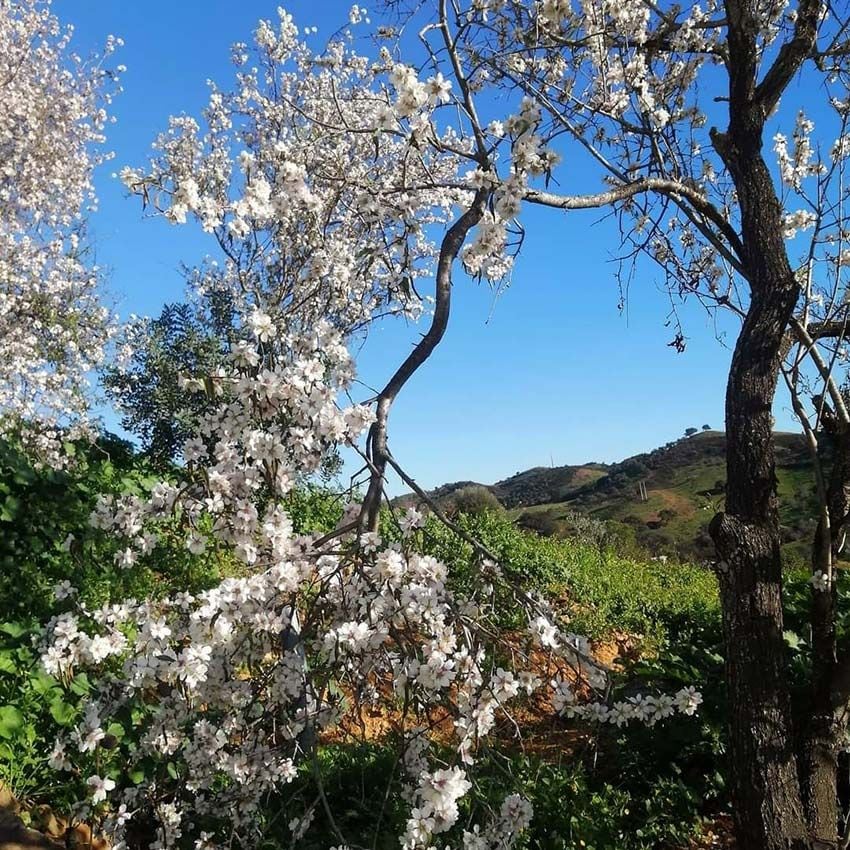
(819, 778)
(819, 725)
(765, 787)
(766, 792)
(825, 723)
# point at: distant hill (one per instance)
(547, 484)
(684, 483)
(535, 486)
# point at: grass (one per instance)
(602, 593)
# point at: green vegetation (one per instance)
(606, 789)
(577, 806)
(604, 591)
(540, 485)
(33, 707)
(684, 486)
(185, 339)
(44, 525)
(472, 500)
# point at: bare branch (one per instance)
(791, 56)
(377, 439)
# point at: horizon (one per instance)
(594, 462)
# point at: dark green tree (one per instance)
(188, 339)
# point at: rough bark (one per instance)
(824, 717)
(766, 790)
(765, 787)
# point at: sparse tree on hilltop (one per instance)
(473, 500)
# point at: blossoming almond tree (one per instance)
(53, 325)
(323, 179)
(673, 105)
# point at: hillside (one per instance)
(536, 486)
(547, 484)
(685, 485)
(684, 482)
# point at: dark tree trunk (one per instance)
(765, 787)
(766, 791)
(819, 751)
(823, 724)
(819, 778)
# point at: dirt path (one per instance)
(52, 833)
(15, 836)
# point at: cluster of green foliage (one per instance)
(46, 536)
(33, 707)
(630, 789)
(576, 806)
(185, 339)
(605, 591)
(473, 499)
(44, 525)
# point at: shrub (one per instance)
(40, 508)
(473, 500)
(32, 706)
(542, 522)
(601, 591)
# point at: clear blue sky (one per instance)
(550, 371)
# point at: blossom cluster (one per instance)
(321, 179)
(644, 709)
(53, 324)
(320, 176)
(800, 162)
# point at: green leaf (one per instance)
(42, 683)
(62, 712)
(14, 630)
(80, 685)
(793, 640)
(9, 509)
(11, 720)
(7, 663)
(136, 776)
(116, 730)
(172, 769)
